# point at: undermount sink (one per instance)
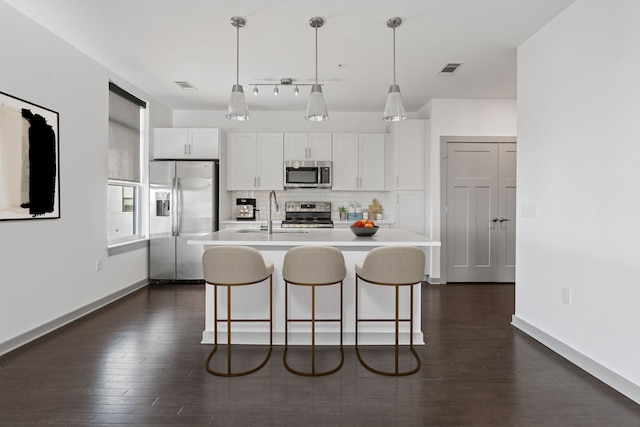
(256, 230)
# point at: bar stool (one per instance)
(391, 266)
(312, 266)
(231, 266)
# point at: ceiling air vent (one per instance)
(185, 85)
(450, 68)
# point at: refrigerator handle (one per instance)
(178, 206)
(173, 208)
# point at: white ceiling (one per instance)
(153, 43)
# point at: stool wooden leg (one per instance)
(313, 330)
(229, 373)
(313, 372)
(397, 321)
(228, 329)
(397, 326)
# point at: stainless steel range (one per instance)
(307, 214)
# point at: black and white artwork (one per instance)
(29, 166)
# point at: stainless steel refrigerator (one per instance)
(184, 204)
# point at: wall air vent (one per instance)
(450, 68)
(185, 85)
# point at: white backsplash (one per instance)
(337, 198)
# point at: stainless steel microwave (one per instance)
(307, 174)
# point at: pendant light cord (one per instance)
(316, 55)
(237, 54)
(394, 56)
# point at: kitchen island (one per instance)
(375, 301)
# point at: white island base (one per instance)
(252, 301)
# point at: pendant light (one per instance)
(316, 107)
(393, 109)
(238, 109)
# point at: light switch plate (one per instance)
(529, 210)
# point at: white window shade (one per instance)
(124, 135)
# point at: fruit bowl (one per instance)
(364, 231)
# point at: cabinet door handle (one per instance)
(185, 149)
(397, 181)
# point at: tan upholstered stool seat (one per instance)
(313, 266)
(231, 266)
(391, 266)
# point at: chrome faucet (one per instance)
(270, 224)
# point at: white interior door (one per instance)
(480, 212)
(506, 231)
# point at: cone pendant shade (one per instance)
(238, 109)
(393, 109)
(316, 107)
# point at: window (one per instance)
(126, 142)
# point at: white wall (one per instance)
(47, 267)
(578, 156)
(460, 117)
(282, 121)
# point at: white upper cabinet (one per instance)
(407, 155)
(359, 161)
(186, 143)
(255, 161)
(307, 146)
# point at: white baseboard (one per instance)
(51, 326)
(604, 374)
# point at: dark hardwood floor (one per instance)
(139, 362)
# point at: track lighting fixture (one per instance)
(285, 81)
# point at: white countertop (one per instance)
(340, 237)
(336, 222)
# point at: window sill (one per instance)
(119, 248)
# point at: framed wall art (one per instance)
(29, 160)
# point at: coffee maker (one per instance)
(245, 209)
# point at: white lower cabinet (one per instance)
(358, 161)
(255, 161)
